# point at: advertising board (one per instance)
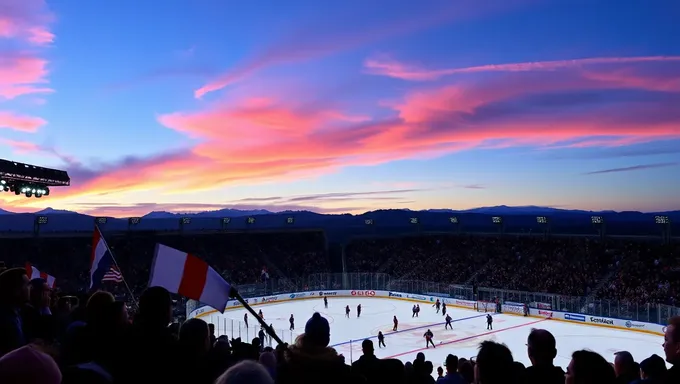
(363, 293)
(395, 294)
(571, 316)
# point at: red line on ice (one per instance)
(466, 338)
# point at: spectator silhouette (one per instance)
(652, 370)
(542, 350)
(625, 368)
(245, 372)
(368, 365)
(310, 360)
(29, 365)
(671, 348)
(587, 367)
(494, 364)
(452, 375)
(14, 293)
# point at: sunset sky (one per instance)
(343, 106)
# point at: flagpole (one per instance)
(118, 267)
(234, 293)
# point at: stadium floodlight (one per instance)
(368, 222)
(226, 220)
(497, 220)
(30, 180)
(41, 220)
(290, 220)
(542, 220)
(663, 220)
(453, 220)
(185, 221)
(250, 220)
(100, 220)
(597, 219)
(134, 220)
(414, 220)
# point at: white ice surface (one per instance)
(469, 329)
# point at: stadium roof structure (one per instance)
(16, 171)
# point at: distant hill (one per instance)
(387, 221)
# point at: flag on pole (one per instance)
(101, 259)
(113, 275)
(34, 273)
(189, 276)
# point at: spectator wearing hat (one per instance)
(311, 360)
(14, 293)
(452, 375)
(652, 370)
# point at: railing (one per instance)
(651, 313)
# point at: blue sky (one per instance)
(266, 104)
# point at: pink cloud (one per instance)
(22, 75)
(315, 41)
(276, 138)
(20, 122)
(386, 66)
(41, 36)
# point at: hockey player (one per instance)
(347, 311)
(443, 309)
(438, 305)
(381, 340)
(448, 322)
(260, 314)
(358, 311)
(396, 323)
(489, 322)
(325, 302)
(292, 322)
(526, 310)
(414, 310)
(245, 319)
(417, 309)
(428, 339)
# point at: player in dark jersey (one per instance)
(292, 322)
(443, 309)
(245, 319)
(428, 339)
(358, 311)
(325, 302)
(381, 340)
(448, 322)
(347, 311)
(438, 305)
(260, 314)
(413, 310)
(396, 323)
(489, 322)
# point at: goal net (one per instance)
(486, 306)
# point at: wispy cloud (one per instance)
(632, 168)
(474, 186)
(385, 66)
(126, 210)
(19, 123)
(328, 36)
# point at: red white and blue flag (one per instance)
(34, 273)
(113, 275)
(101, 259)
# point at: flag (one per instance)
(113, 275)
(100, 259)
(34, 273)
(189, 276)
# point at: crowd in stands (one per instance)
(95, 340)
(641, 271)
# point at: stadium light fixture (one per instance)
(250, 220)
(453, 220)
(100, 220)
(497, 220)
(663, 220)
(597, 219)
(226, 220)
(414, 220)
(542, 220)
(290, 220)
(368, 222)
(134, 220)
(41, 220)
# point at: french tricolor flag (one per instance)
(189, 276)
(100, 259)
(34, 273)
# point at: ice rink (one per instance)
(469, 329)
